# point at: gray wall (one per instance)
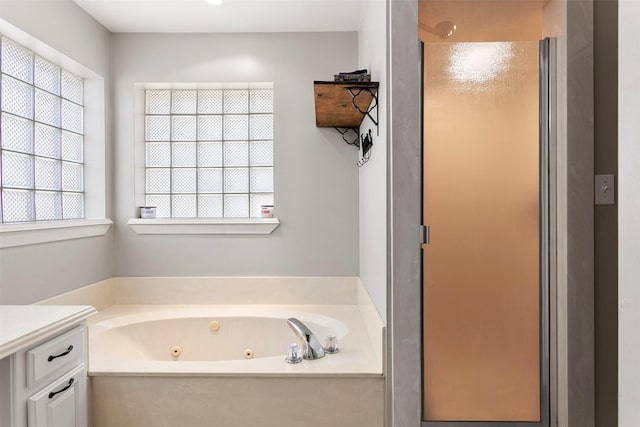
(316, 179)
(580, 216)
(404, 303)
(628, 214)
(31, 273)
(372, 54)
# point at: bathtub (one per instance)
(135, 380)
(230, 370)
(204, 335)
(219, 340)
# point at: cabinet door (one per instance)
(60, 404)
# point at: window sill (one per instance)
(204, 226)
(51, 231)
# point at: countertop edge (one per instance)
(37, 335)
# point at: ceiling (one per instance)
(196, 16)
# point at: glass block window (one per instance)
(41, 141)
(209, 152)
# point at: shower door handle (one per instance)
(425, 234)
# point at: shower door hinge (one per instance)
(425, 236)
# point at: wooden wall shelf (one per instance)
(336, 103)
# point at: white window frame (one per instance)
(183, 225)
(95, 222)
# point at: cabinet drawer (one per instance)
(60, 404)
(56, 356)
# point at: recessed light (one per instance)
(215, 2)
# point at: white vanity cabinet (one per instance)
(43, 381)
(61, 404)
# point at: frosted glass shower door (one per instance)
(481, 202)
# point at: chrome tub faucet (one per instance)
(311, 347)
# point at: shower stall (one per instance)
(486, 291)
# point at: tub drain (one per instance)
(248, 354)
(176, 351)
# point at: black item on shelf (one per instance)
(353, 76)
(363, 71)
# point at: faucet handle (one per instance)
(331, 344)
(294, 355)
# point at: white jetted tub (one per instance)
(231, 336)
(229, 370)
(223, 340)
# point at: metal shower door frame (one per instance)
(546, 83)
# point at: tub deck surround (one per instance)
(216, 290)
(236, 290)
(100, 295)
(341, 298)
(136, 340)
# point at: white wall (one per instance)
(316, 186)
(372, 55)
(31, 273)
(628, 214)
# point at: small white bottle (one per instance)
(147, 212)
(266, 211)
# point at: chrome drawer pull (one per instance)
(69, 384)
(61, 354)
